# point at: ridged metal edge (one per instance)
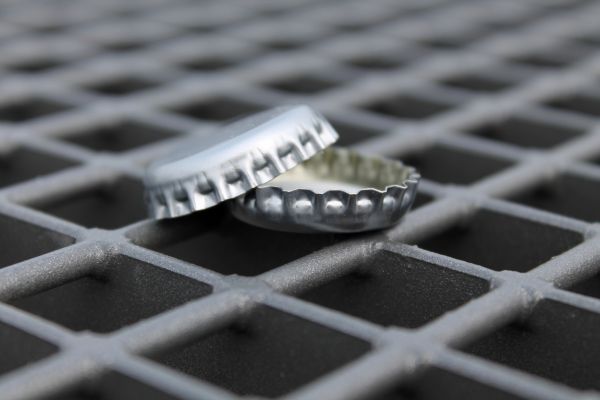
(258, 166)
(304, 210)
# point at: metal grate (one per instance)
(488, 289)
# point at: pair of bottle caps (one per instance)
(277, 170)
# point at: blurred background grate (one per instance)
(489, 288)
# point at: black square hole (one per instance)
(421, 200)
(305, 84)
(35, 65)
(408, 107)
(571, 195)
(556, 341)
(554, 57)
(453, 165)
(23, 164)
(588, 287)
(217, 109)
(352, 133)
(591, 39)
(125, 45)
(502, 242)
(377, 62)
(477, 83)
(28, 109)
(19, 348)
(436, 383)
(52, 27)
(526, 132)
(122, 86)
(268, 353)
(208, 64)
(113, 386)
(579, 103)
(21, 240)
(284, 44)
(201, 28)
(449, 42)
(391, 289)
(543, 60)
(120, 292)
(120, 136)
(106, 206)
(219, 242)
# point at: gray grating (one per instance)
(489, 288)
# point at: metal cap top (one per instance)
(241, 156)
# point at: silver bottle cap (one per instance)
(338, 190)
(238, 158)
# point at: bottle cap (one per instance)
(338, 190)
(241, 156)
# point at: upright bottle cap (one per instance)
(236, 159)
(338, 190)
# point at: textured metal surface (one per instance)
(338, 190)
(490, 287)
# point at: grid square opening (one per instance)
(477, 83)
(113, 385)
(421, 200)
(503, 22)
(353, 133)
(502, 242)
(392, 289)
(125, 45)
(19, 348)
(217, 109)
(407, 106)
(554, 57)
(107, 206)
(122, 86)
(35, 65)
(28, 109)
(208, 64)
(120, 136)
(590, 39)
(540, 60)
(581, 103)
(350, 27)
(588, 287)
(201, 28)
(21, 240)
(556, 341)
(303, 84)
(450, 41)
(23, 164)
(284, 44)
(377, 62)
(438, 383)
(50, 28)
(120, 291)
(223, 244)
(527, 132)
(268, 353)
(454, 165)
(568, 194)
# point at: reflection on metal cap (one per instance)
(338, 190)
(236, 159)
